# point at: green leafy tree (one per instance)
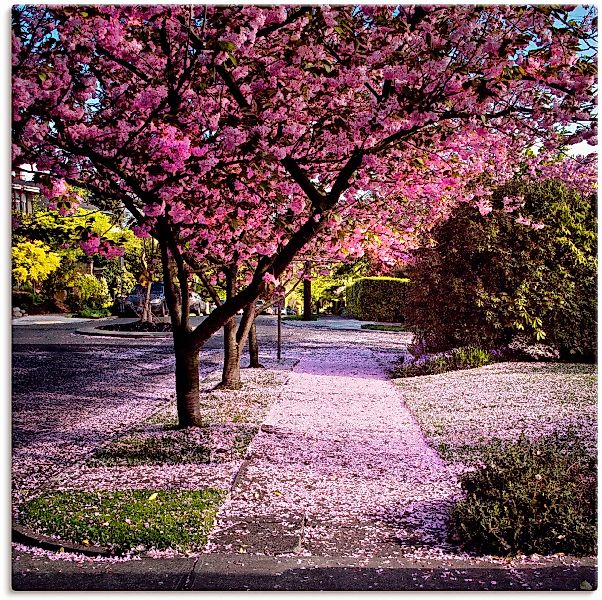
(529, 267)
(62, 233)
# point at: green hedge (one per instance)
(377, 299)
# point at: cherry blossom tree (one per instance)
(241, 134)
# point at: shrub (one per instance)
(94, 313)
(126, 520)
(488, 278)
(377, 299)
(529, 497)
(468, 357)
(33, 262)
(90, 292)
(377, 327)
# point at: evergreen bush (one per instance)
(377, 299)
(530, 497)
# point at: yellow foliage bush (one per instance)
(33, 262)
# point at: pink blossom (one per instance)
(91, 245)
(269, 279)
(141, 231)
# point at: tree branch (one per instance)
(317, 199)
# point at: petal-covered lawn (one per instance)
(461, 410)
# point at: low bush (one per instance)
(299, 318)
(94, 313)
(377, 327)
(90, 292)
(468, 357)
(377, 299)
(529, 497)
(131, 520)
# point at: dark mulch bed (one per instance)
(138, 326)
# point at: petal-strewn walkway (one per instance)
(340, 468)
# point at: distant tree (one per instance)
(32, 263)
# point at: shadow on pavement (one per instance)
(177, 575)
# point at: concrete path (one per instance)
(340, 468)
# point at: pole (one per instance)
(279, 353)
(307, 293)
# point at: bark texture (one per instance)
(187, 385)
(254, 348)
(231, 370)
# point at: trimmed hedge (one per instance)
(377, 299)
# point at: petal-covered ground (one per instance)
(340, 464)
(459, 411)
(345, 463)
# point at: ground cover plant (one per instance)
(139, 326)
(530, 496)
(468, 357)
(300, 318)
(170, 447)
(128, 520)
(379, 327)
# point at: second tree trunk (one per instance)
(231, 371)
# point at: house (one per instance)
(23, 192)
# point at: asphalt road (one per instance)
(63, 333)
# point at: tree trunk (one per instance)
(147, 313)
(231, 371)
(187, 384)
(307, 299)
(254, 348)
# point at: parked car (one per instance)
(197, 305)
(134, 301)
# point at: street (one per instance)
(55, 330)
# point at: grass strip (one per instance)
(169, 447)
(128, 520)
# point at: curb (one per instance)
(28, 537)
(95, 331)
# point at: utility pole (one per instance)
(307, 292)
